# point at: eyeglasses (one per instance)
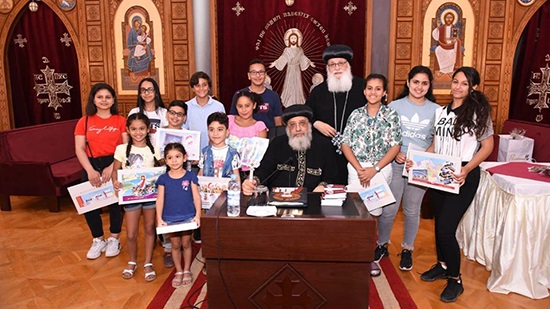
(178, 114)
(337, 64)
(147, 90)
(257, 73)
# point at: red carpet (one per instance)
(386, 291)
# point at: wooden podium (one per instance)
(318, 259)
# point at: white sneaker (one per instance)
(98, 246)
(113, 247)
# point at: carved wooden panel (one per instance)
(491, 92)
(179, 11)
(180, 52)
(95, 53)
(92, 12)
(405, 8)
(497, 9)
(494, 51)
(496, 30)
(492, 72)
(183, 93)
(94, 33)
(179, 31)
(97, 74)
(404, 29)
(181, 72)
(403, 51)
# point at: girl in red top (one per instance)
(96, 136)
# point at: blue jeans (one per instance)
(412, 199)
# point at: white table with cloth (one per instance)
(507, 229)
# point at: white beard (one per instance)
(300, 143)
(342, 84)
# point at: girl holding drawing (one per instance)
(462, 129)
(371, 140)
(416, 108)
(178, 201)
(176, 117)
(137, 153)
(96, 136)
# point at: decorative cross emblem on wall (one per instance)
(20, 40)
(238, 8)
(66, 39)
(350, 8)
(51, 88)
(542, 89)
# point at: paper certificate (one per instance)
(186, 226)
(87, 197)
(210, 189)
(434, 171)
(189, 139)
(377, 194)
(139, 185)
(411, 148)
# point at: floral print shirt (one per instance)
(370, 138)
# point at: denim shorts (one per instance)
(138, 206)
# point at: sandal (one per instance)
(187, 278)
(374, 270)
(128, 273)
(176, 283)
(152, 275)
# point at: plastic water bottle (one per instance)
(233, 197)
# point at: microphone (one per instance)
(290, 160)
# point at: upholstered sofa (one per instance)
(539, 132)
(38, 161)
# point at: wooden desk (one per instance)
(320, 257)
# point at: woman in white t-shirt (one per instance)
(462, 129)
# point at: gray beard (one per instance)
(343, 84)
(301, 143)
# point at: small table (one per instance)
(320, 258)
(507, 229)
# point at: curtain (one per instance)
(250, 29)
(530, 98)
(43, 69)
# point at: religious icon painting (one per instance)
(137, 43)
(66, 5)
(446, 51)
(6, 6)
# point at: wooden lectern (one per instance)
(319, 259)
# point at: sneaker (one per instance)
(98, 246)
(436, 272)
(406, 260)
(380, 252)
(113, 247)
(168, 260)
(197, 236)
(453, 289)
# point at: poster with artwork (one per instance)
(434, 171)
(210, 189)
(250, 149)
(139, 185)
(86, 197)
(377, 194)
(191, 141)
